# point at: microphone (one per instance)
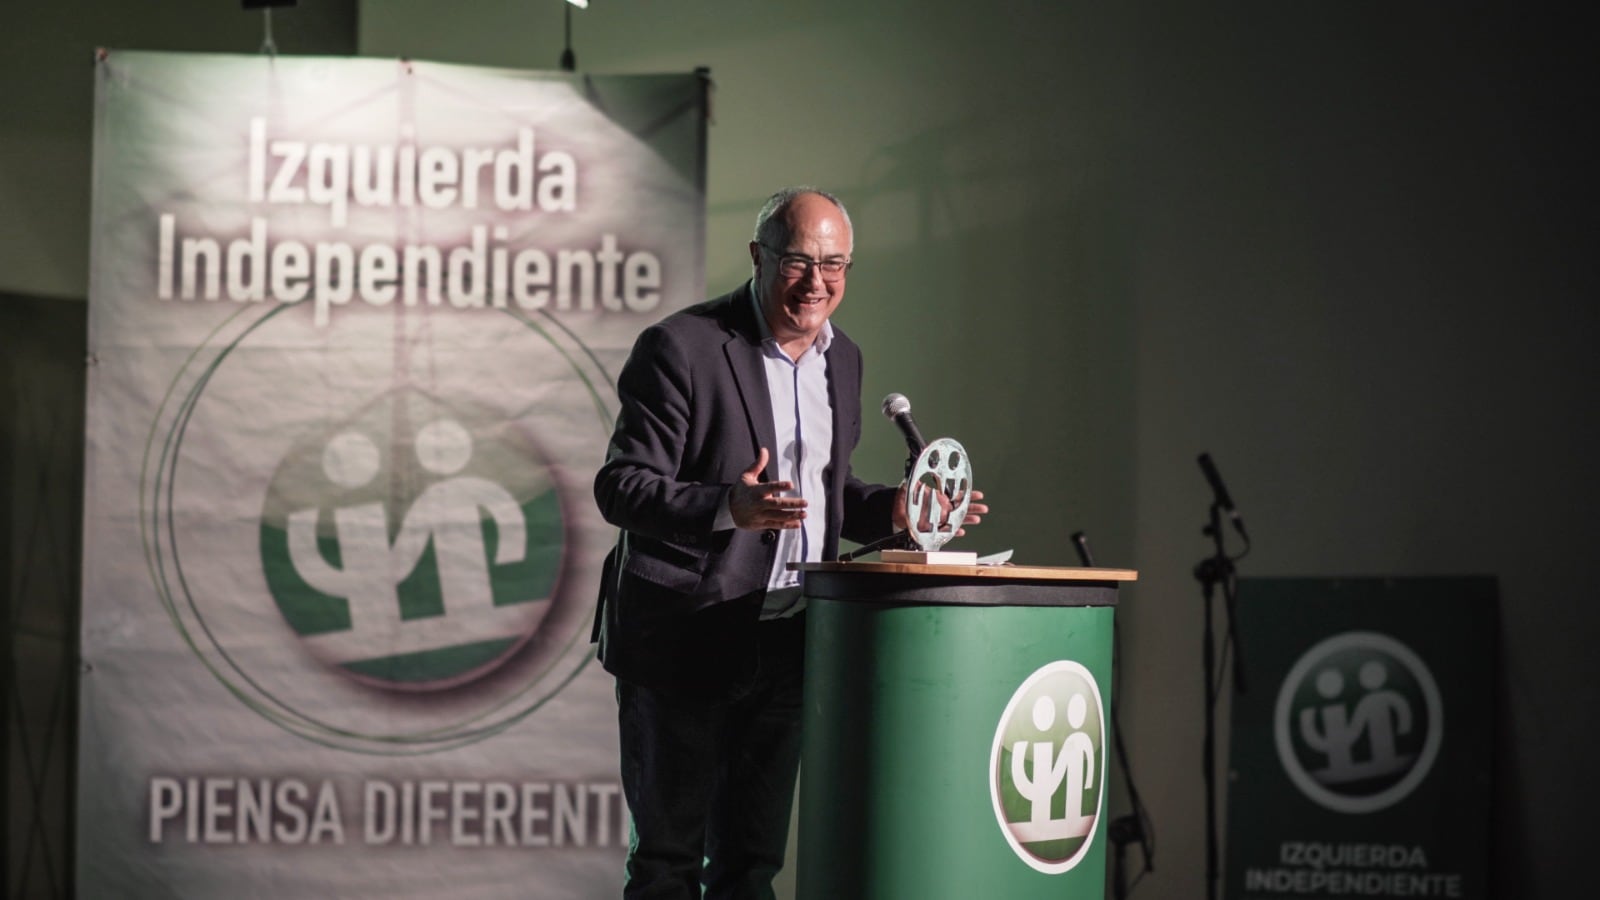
(898, 409)
(1219, 493)
(1080, 542)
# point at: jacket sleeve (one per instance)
(868, 510)
(640, 487)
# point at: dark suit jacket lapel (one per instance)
(743, 351)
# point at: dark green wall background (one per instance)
(1343, 247)
(46, 63)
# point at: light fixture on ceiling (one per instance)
(569, 60)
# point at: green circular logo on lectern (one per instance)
(1047, 767)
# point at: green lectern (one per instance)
(956, 731)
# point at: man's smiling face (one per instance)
(796, 306)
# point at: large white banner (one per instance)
(353, 332)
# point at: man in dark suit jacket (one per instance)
(718, 478)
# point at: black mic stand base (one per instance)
(898, 540)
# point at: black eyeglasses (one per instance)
(795, 265)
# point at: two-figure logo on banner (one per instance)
(416, 543)
(442, 572)
(1047, 767)
(1358, 722)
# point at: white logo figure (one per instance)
(1075, 767)
(1378, 714)
(447, 514)
(1381, 713)
(1358, 737)
(367, 578)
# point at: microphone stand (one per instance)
(1124, 830)
(1212, 571)
(898, 540)
(1127, 829)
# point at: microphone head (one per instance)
(895, 405)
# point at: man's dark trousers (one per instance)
(709, 774)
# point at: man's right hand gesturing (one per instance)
(757, 504)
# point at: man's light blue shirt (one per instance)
(802, 419)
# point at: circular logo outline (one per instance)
(1284, 741)
(157, 473)
(1040, 674)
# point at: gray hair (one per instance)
(771, 228)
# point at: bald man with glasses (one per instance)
(730, 459)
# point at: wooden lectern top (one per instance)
(1037, 573)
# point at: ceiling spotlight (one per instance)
(569, 60)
